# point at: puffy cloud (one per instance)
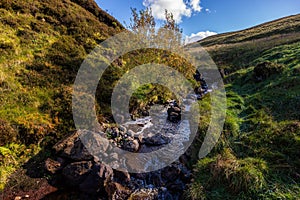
(196, 5)
(179, 8)
(198, 36)
(207, 10)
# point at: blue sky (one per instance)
(200, 18)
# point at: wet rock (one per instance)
(131, 145)
(174, 112)
(130, 133)
(147, 149)
(104, 171)
(156, 140)
(122, 128)
(115, 133)
(75, 173)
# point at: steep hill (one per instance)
(42, 44)
(260, 148)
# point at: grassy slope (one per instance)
(42, 44)
(258, 155)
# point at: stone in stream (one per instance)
(115, 132)
(75, 173)
(174, 112)
(122, 128)
(131, 145)
(156, 140)
(130, 133)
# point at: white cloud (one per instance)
(207, 10)
(198, 36)
(196, 5)
(179, 8)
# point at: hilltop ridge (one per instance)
(282, 26)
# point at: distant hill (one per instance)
(286, 25)
(238, 49)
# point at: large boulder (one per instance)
(72, 148)
(75, 173)
(95, 180)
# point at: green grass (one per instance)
(262, 127)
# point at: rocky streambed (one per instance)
(74, 168)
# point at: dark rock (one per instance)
(123, 129)
(72, 148)
(131, 145)
(103, 170)
(156, 140)
(94, 182)
(174, 113)
(116, 191)
(121, 176)
(176, 186)
(75, 173)
(54, 166)
(170, 173)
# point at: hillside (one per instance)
(260, 156)
(280, 27)
(239, 49)
(42, 44)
